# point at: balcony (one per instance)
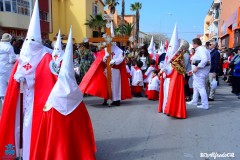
(216, 3)
(13, 20)
(210, 11)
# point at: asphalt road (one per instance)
(135, 131)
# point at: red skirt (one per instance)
(225, 65)
(146, 87)
(153, 95)
(176, 104)
(66, 137)
(136, 89)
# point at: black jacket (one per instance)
(161, 58)
(215, 59)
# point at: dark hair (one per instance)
(19, 43)
(145, 51)
(153, 62)
(13, 40)
(139, 64)
(155, 71)
(235, 50)
(86, 45)
(197, 41)
(207, 43)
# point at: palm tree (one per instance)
(123, 13)
(128, 28)
(96, 22)
(136, 7)
(111, 5)
(118, 31)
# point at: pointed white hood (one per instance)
(34, 31)
(32, 51)
(57, 51)
(65, 95)
(33, 42)
(151, 49)
(173, 45)
(161, 49)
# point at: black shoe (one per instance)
(105, 103)
(138, 95)
(115, 103)
(188, 99)
(210, 99)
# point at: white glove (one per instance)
(105, 57)
(112, 62)
(163, 70)
(106, 54)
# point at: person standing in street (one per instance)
(7, 60)
(200, 71)
(33, 72)
(215, 58)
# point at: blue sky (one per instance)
(161, 16)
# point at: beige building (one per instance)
(117, 19)
(211, 22)
(205, 38)
(15, 17)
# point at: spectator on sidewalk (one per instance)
(7, 60)
(200, 71)
(236, 76)
(215, 58)
(235, 80)
(225, 64)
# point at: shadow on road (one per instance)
(127, 149)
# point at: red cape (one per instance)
(176, 104)
(66, 137)
(95, 81)
(44, 82)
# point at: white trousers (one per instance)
(116, 85)
(165, 92)
(200, 88)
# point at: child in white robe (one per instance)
(153, 86)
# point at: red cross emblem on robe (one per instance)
(55, 57)
(113, 54)
(27, 66)
(166, 58)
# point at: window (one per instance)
(45, 16)
(23, 7)
(95, 9)
(8, 6)
(14, 6)
(1, 5)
